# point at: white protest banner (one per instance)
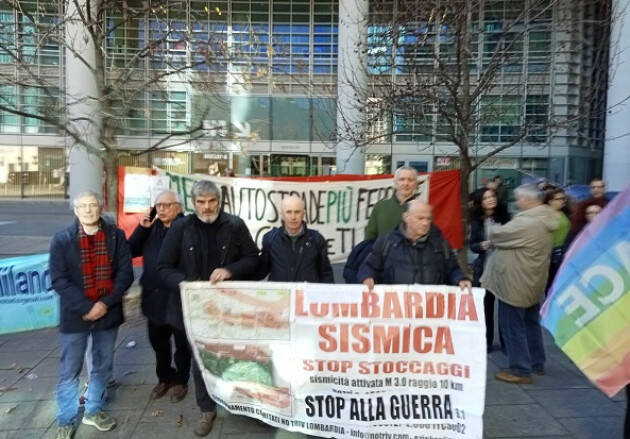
(339, 210)
(403, 359)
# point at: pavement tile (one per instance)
(520, 420)
(130, 397)
(163, 411)
(39, 389)
(558, 377)
(134, 356)
(127, 420)
(242, 424)
(573, 403)
(35, 341)
(499, 393)
(21, 360)
(10, 376)
(175, 430)
(36, 433)
(600, 427)
(34, 414)
(135, 374)
(48, 367)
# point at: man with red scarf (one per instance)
(90, 269)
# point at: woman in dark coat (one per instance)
(486, 210)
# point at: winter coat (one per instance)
(67, 279)
(516, 271)
(305, 260)
(181, 255)
(396, 260)
(146, 242)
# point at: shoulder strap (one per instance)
(388, 243)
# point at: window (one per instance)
(500, 118)
(169, 112)
(536, 115)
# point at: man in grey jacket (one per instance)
(516, 272)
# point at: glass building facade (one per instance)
(252, 85)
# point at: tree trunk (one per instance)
(463, 201)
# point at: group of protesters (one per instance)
(90, 267)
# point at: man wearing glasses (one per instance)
(146, 241)
(90, 269)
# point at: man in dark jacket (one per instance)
(146, 241)
(90, 269)
(414, 253)
(207, 245)
(293, 252)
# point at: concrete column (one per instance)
(351, 79)
(86, 167)
(617, 144)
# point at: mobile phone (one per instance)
(153, 213)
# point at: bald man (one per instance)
(293, 252)
(416, 252)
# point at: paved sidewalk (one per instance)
(559, 405)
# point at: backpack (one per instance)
(361, 251)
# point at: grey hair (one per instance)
(205, 187)
(174, 194)
(405, 168)
(529, 192)
(88, 194)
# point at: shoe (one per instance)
(509, 377)
(159, 390)
(539, 371)
(204, 424)
(99, 420)
(64, 432)
(179, 392)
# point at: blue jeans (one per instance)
(72, 356)
(522, 336)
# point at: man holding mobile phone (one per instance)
(146, 241)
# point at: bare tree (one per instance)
(130, 51)
(475, 77)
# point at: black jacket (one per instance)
(67, 279)
(305, 260)
(396, 260)
(477, 236)
(146, 242)
(181, 255)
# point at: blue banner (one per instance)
(27, 300)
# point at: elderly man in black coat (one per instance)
(146, 241)
(207, 245)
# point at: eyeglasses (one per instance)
(85, 206)
(597, 186)
(164, 205)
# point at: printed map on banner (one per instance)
(338, 361)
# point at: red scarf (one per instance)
(95, 264)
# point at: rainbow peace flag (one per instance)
(588, 307)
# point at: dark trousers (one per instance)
(160, 338)
(204, 401)
(522, 336)
(488, 306)
(626, 433)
